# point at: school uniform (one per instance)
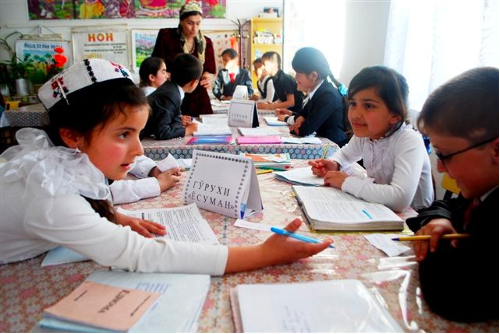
(224, 85)
(461, 284)
(398, 169)
(129, 191)
(165, 120)
(266, 89)
(285, 85)
(325, 114)
(45, 209)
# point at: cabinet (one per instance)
(266, 35)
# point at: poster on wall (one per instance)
(221, 41)
(143, 43)
(110, 44)
(46, 58)
(117, 9)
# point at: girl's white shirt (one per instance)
(269, 89)
(148, 89)
(398, 169)
(42, 207)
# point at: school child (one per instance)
(286, 94)
(166, 121)
(324, 111)
(393, 153)
(58, 195)
(264, 83)
(459, 278)
(152, 73)
(230, 76)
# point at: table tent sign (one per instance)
(243, 114)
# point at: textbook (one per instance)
(265, 160)
(258, 132)
(103, 306)
(327, 208)
(339, 306)
(209, 140)
(212, 130)
(176, 311)
(273, 121)
(259, 140)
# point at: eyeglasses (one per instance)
(443, 158)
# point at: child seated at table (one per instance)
(286, 94)
(393, 153)
(459, 278)
(58, 194)
(231, 76)
(264, 83)
(324, 111)
(166, 121)
(152, 73)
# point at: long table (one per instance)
(26, 288)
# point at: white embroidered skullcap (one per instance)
(82, 75)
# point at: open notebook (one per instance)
(327, 208)
(343, 306)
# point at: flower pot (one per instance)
(22, 87)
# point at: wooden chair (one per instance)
(450, 186)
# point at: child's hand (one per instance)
(281, 111)
(168, 179)
(335, 179)
(435, 228)
(264, 105)
(191, 128)
(226, 98)
(141, 226)
(295, 128)
(320, 167)
(281, 249)
(254, 97)
(186, 120)
(282, 118)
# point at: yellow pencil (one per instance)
(427, 237)
(264, 171)
(325, 151)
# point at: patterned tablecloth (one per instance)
(158, 149)
(32, 115)
(26, 288)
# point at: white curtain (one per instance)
(431, 41)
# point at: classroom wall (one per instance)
(14, 16)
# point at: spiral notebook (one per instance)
(223, 183)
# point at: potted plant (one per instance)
(15, 72)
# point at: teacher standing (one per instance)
(187, 38)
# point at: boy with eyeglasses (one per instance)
(459, 278)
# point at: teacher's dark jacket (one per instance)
(325, 114)
(165, 119)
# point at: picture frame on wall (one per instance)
(142, 42)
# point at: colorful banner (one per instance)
(117, 9)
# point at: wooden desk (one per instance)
(26, 289)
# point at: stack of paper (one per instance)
(328, 208)
(344, 306)
(259, 140)
(273, 121)
(280, 160)
(214, 119)
(212, 130)
(177, 310)
(300, 176)
(258, 132)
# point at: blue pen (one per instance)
(296, 236)
(367, 214)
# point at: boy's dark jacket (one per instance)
(165, 119)
(461, 283)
